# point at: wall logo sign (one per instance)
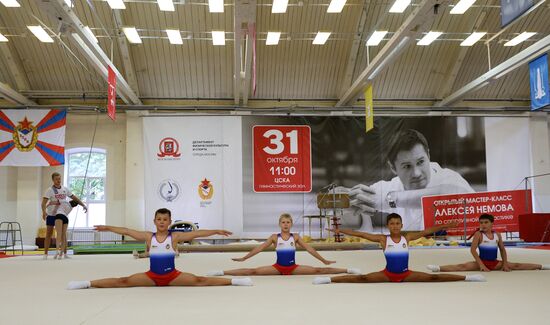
(169, 147)
(206, 190)
(25, 135)
(169, 190)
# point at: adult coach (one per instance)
(55, 211)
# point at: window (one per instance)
(92, 192)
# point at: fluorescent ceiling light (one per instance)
(10, 3)
(376, 37)
(400, 5)
(174, 36)
(116, 4)
(91, 33)
(518, 39)
(132, 35)
(462, 6)
(473, 38)
(279, 6)
(215, 5)
(218, 37)
(41, 34)
(336, 6)
(429, 38)
(3, 38)
(69, 3)
(166, 5)
(321, 38)
(272, 38)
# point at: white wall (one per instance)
(517, 148)
(8, 193)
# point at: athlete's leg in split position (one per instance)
(310, 270)
(464, 267)
(188, 279)
(262, 270)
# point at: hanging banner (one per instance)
(282, 158)
(538, 79)
(369, 109)
(505, 206)
(111, 97)
(32, 137)
(193, 166)
(512, 9)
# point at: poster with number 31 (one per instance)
(282, 158)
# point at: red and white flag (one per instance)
(111, 105)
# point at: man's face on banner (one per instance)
(413, 167)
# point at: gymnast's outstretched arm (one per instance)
(257, 249)
(366, 235)
(431, 230)
(311, 250)
(138, 235)
(188, 236)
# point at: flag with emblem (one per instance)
(32, 137)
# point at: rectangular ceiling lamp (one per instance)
(399, 6)
(376, 37)
(429, 38)
(116, 4)
(92, 34)
(174, 36)
(518, 39)
(3, 38)
(273, 38)
(41, 34)
(132, 35)
(166, 5)
(321, 38)
(279, 6)
(218, 37)
(473, 38)
(215, 5)
(462, 6)
(10, 3)
(336, 6)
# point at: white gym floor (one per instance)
(32, 291)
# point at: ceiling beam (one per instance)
(13, 96)
(69, 24)
(354, 51)
(244, 23)
(125, 52)
(499, 71)
(418, 21)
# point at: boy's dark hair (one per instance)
(55, 174)
(163, 211)
(393, 216)
(486, 216)
(405, 140)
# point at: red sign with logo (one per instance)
(505, 206)
(111, 96)
(168, 147)
(282, 158)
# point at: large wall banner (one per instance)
(193, 167)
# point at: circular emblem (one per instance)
(167, 246)
(169, 147)
(169, 190)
